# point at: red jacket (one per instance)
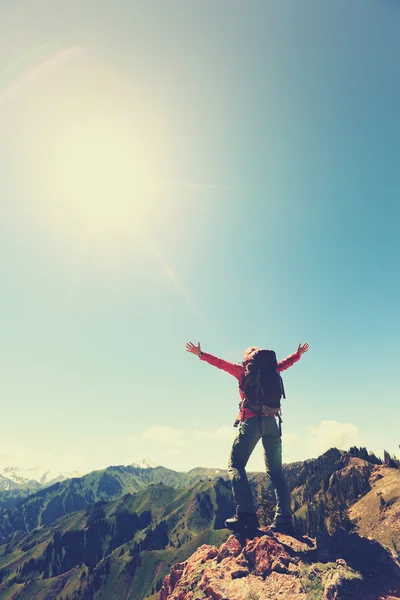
(237, 370)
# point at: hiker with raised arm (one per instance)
(261, 390)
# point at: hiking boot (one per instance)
(240, 521)
(285, 527)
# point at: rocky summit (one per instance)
(339, 567)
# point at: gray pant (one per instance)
(250, 432)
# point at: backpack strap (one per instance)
(280, 410)
(282, 387)
(280, 423)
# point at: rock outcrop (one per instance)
(339, 567)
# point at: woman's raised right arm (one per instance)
(233, 369)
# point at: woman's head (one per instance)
(249, 352)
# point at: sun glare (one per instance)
(93, 143)
(99, 175)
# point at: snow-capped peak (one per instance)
(144, 464)
(42, 476)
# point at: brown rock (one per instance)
(282, 569)
(264, 552)
(241, 572)
(171, 580)
(233, 573)
(231, 547)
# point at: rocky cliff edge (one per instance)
(339, 567)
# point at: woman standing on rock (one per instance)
(260, 389)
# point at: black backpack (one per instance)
(261, 384)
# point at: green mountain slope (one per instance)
(121, 547)
(377, 513)
(45, 506)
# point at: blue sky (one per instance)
(210, 171)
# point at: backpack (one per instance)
(262, 385)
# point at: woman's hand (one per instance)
(302, 348)
(190, 347)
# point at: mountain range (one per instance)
(118, 532)
(22, 511)
(34, 478)
(17, 478)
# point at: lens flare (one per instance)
(35, 73)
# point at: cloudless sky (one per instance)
(222, 172)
